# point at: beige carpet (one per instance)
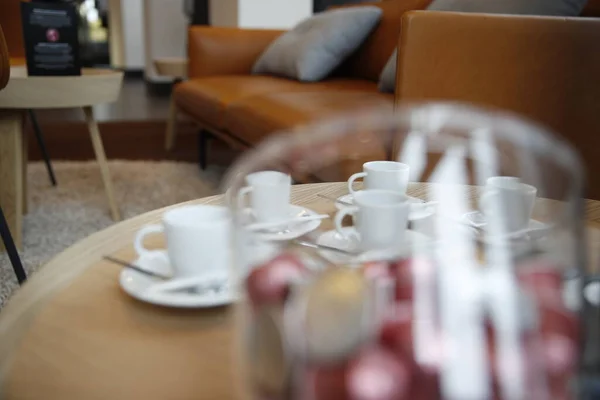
(60, 216)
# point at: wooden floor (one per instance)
(133, 128)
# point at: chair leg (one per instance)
(101, 158)
(11, 249)
(25, 164)
(42, 143)
(172, 122)
(11, 172)
(203, 137)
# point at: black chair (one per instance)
(11, 249)
(40, 139)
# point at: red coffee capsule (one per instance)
(560, 355)
(555, 319)
(270, 283)
(529, 358)
(542, 279)
(403, 270)
(378, 374)
(396, 331)
(397, 334)
(425, 386)
(408, 271)
(377, 269)
(325, 383)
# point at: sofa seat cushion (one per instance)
(205, 99)
(254, 119)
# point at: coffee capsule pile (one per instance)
(376, 332)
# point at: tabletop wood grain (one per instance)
(71, 333)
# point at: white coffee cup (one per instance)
(507, 204)
(269, 195)
(383, 175)
(380, 218)
(198, 241)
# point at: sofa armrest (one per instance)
(225, 51)
(545, 68)
(521, 63)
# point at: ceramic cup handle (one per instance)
(487, 203)
(353, 178)
(242, 197)
(339, 217)
(138, 243)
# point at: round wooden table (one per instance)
(94, 86)
(72, 333)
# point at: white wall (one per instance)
(142, 30)
(224, 13)
(275, 14)
(151, 29)
(268, 14)
(165, 33)
(133, 34)
(126, 20)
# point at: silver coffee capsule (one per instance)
(329, 318)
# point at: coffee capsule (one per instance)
(330, 317)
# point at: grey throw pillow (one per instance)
(566, 8)
(387, 80)
(316, 46)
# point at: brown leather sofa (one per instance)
(241, 109)
(544, 68)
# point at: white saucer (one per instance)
(292, 231)
(535, 230)
(418, 207)
(414, 241)
(143, 287)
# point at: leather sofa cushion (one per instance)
(205, 99)
(253, 119)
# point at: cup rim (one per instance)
(387, 166)
(179, 216)
(522, 187)
(285, 178)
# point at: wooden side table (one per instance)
(176, 68)
(94, 86)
